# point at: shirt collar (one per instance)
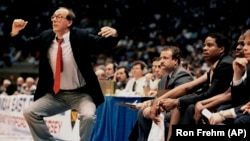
(214, 65)
(65, 37)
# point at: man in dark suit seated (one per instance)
(215, 81)
(240, 89)
(220, 101)
(170, 59)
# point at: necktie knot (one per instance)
(59, 41)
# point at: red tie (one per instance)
(59, 66)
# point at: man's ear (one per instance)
(70, 23)
(222, 50)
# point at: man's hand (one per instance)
(155, 111)
(146, 112)
(246, 108)
(239, 67)
(197, 111)
(108, 31)
(17, 26)
(169, 104)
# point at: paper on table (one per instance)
(129, 105)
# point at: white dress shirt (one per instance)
(71, 77)
(138, 88)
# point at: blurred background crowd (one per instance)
(145, 26)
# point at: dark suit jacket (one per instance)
(220, 82)
(240, 93)
(83, 45)
(178, 77)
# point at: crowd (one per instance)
(146, 25)
(169, 78)
(22, 85)
(186, 69)
(155, 78)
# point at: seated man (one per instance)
(216, 81)
(176, 75)
(220, 101)
(136, 83)
(241, 85)
(110, 69)
(121, 78)
(153, 78)
(157, 74)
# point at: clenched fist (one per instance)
(18, 25)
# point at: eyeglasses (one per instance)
(57, 17)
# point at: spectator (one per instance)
(136, 83)
(238, 51)
(28, 87)
(239, 89)
(18, 85)
(110, 69)
(220, 101)
(157, 73)
(3, 89)
(216, 81)
(175, 75)
(100, 73)
(121, 78)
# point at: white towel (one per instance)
(157, 131)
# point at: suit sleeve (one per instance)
(22, 42)
(240, 93)
(220, 83)
(182, 78)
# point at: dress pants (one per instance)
(187, 115)
(52, 104)
(134, 133)
(224, 107)
(144, 126)
(242, 118)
